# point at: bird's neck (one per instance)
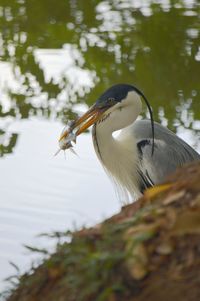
(119, 157)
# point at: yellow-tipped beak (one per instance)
(84, 122)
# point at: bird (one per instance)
(136, 154)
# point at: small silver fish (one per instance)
(66, 143)
(67, 137)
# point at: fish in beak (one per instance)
(76, 127)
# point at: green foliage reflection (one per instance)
(155, 47)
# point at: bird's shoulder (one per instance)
(170, 151)
(164, 139)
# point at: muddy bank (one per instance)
(149, 251)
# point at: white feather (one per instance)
(118, 155)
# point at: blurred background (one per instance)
(56, 58)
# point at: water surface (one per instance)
(56, 57)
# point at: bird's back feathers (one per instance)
(170, 152)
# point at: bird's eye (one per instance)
(111, 99)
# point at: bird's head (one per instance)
(110, 105)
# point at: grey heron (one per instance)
(144, 152)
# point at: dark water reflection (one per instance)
(55, 54)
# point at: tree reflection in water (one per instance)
(58, 51)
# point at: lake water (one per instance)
(56, 57)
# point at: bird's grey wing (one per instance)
(170, 152)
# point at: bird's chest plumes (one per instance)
(119, 162)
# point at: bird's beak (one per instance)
(84, 122)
